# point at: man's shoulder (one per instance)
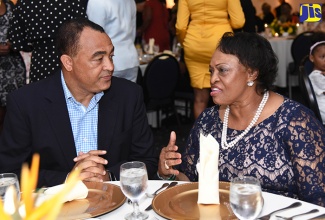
(123, 90)
(36, 88)
(123, 84)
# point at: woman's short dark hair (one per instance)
(68, 35)
(254, 52)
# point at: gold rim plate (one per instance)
(180, 202)
(102, 198)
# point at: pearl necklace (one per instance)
(224, 143)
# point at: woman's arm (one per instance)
(183, 15)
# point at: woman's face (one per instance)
(228, 79)
(318, 58)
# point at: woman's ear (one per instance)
(252, 74)
(66, 62)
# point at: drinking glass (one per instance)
(245, 197)
(134, 183)
(6, 180)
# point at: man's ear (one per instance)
(67, 62)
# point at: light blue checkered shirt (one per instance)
(83, 120)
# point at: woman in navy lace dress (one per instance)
(260, 133)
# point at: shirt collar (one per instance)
(68, 95)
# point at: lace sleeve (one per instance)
(205, 124)
(306, 139)
(191, 154)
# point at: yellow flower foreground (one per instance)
(48, 210)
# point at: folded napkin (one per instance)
(79, 191)
(208, 171)
(209, 212)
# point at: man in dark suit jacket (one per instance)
(38, 119)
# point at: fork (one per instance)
(155, 193)
(268, 216)
(291, 218)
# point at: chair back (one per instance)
(300, 48)
(307, 88)
(160, 77)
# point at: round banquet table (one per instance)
(282, 48)
(271, 202)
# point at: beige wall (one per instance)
(274, 3)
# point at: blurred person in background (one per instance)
(34, 26)
(278, 9)
(249, 13)
(140, 6)
(267, 16)
(199, 27)
(285, 15)
(12, 66)
(155, 24)
(118, 18)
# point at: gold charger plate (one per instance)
(102, 198)
(180, 202)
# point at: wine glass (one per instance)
(134, 183)
(245, 197)
(6, 180)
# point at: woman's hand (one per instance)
(4, 48)
(169, 157)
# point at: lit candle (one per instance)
(297, 24)
(265, 25)
(276, 35)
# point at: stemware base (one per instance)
(136, 216)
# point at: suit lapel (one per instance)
(57, 112)
(107, 116)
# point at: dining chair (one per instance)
(184, 95)
(139, 80)
(307, 88)
(299, 49)
(160, 80)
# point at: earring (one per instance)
(250, 83)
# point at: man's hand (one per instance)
(91, 166)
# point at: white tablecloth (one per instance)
(282, 48)
(271, 202)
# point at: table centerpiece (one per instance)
(279, 28)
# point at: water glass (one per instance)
(6, 180)
(134, 184)
(245, 197)
(155, 49)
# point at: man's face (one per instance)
(92, 66)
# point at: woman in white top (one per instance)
(118, 18)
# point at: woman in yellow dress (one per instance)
(199, 26)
